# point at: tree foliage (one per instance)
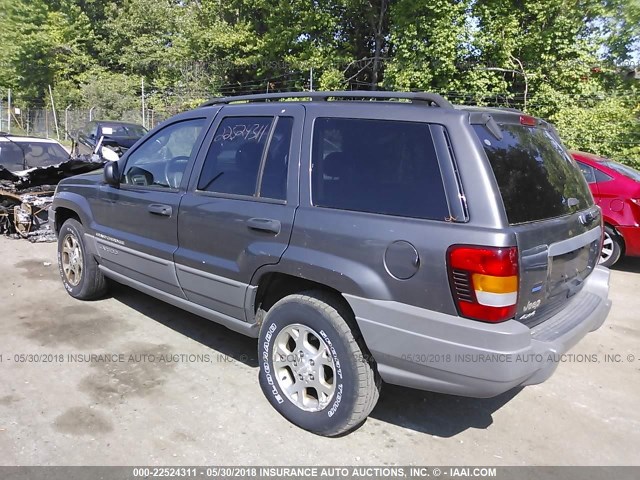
(570, 61)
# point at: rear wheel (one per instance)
(611, 247)
(313, 370)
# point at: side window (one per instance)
(588, 172)
(377, 166)
(274, 176)
(233, 161)
(163, 158)
(601, 176)
(11, 157)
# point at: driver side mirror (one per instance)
(112, 174)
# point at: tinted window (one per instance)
(587, 171)
(163, 158)
(536, 176)
(377, 166)
(274, 177)
(233, 160)
(602, 177)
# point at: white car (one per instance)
(20, 154)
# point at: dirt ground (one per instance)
(59, 408)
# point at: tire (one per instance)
(611, 248)
(334, 382)
(80, 274)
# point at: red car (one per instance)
(616, 189)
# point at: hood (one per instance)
(49, 175)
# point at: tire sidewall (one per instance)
(73, 227)
(339, 410)
(617, 249)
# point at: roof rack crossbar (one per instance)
(415, 97)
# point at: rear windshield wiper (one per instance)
(489, 122)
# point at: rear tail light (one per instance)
(528, 121)
(484, 281)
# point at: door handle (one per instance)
(264, 224)
(159, 209)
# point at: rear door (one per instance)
(550, 208)
(238, 213)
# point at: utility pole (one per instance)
(55, 117)
(9, 113)
(144, 119)
(311, 79)
(66, 122)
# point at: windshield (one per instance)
(625, 170)
(119, 130)
(22, 155)
(536, 176)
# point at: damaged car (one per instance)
(106, 137)
(30, 169)
(20, 154)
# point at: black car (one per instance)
(118, 136)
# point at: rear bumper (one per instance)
(427, 350)
(631, 236)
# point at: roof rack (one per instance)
(415, 97)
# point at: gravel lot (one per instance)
(194, 412)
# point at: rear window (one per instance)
(536, 176)
(377, 166)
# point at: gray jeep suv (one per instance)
(360, 236)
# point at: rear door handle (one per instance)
(159, 209)
(264, 224)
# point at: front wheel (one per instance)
(611, 248)
(313, 370)
(79, 271)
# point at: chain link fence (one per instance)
(63, 125)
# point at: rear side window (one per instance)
(588, 172)
(602, 177)
(536, 176)
(377, 166)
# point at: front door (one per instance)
(136, 228)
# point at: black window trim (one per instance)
(256, 192)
